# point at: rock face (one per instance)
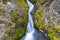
(9, 7)
(13, 19)
(52, 17)
(47, 18)
(54, 12)
(14, 16)
(55, 5)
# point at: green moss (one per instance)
(22, 3)
(18, 34)
(3, 11)
(8, 31)
(21, 20)
(39, 23)
(19, 17)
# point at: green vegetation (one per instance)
(51, 31)
(39, 23)
(18, 34)
(19, 16)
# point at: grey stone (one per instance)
(53, 13)
(2, 35)
(9, 7)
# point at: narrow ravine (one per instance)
(31, 32)
(30, 25)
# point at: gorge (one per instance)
(31, 32)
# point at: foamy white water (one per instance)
(30, 25)
(31, 32)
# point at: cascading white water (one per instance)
(30, 26)
(31, 33)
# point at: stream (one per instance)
(31, 32)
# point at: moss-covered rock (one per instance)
(52, 29)
(19, 16)
(39, 22)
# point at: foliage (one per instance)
(51, 31)
(19, 16)
(39, 23)
(18, 34)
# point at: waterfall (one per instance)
(30, 26)
(31, 32)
